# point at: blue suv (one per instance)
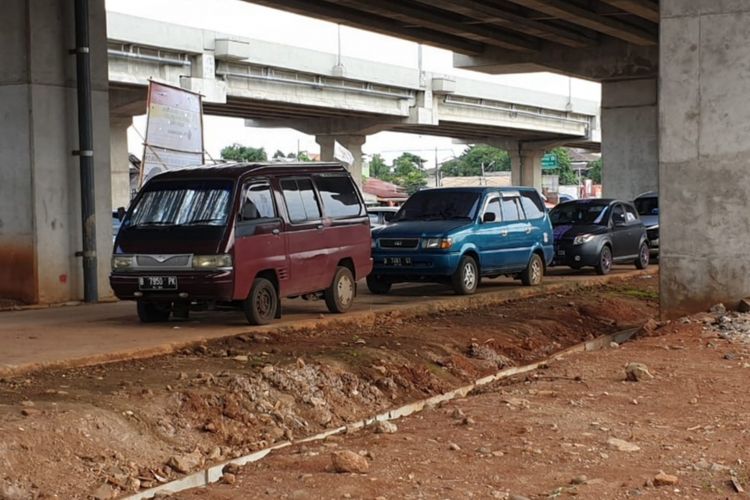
(458, 235)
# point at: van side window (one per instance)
(532, 205)
(301, 201)
(258, 202)
(511, 210)
(494, 207)
(339, 197)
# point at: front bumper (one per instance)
(568, 254)
(415, 266)
(207, 286)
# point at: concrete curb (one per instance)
(368, 317)
(214, 473)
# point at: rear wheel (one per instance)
(340, 295)
(605, 261)
(262, 303)
(152, 312)
(644, 256)
(377, 285)
(534, 272)
(466, 278)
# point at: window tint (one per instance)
(618, 214)
(494, 207)
(182, 203)
(648, 205)
(258, 203)
(630, 213)
(300, 200)
(532, 205)
(510, 210)
(339, 197)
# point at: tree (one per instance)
(408, 172)
(279, 155)
(302, 156)
(471, 160)
(595, 171)
(564, 171)
(236, 152)
(378, 168)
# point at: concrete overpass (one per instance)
(344, 99)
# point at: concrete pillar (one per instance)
(526, 167)
(40, 215)
(704, 155)
(353, 143)
(630, 146)
(120, 165)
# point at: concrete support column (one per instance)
(353, 143)
(120, 165)
(704, 155)
(40, 214)
(526, 167)
(630, 146)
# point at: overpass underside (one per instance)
(674, 105)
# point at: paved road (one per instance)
(88, 334)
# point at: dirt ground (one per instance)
(549, 434)
(112, 429)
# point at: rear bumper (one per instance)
(204, 287)
(415, 266)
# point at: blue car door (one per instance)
(490, 235)
(515, 232)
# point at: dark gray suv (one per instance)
(647, 205)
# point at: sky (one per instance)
(254, 21)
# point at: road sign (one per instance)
(549, 161)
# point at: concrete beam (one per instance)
(647, 9)
(567, 11)
(526, 167)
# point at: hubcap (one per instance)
(345, 290)
(470, 276)
(606, 259)
(263, 303)
(536, 271)
(644, 255)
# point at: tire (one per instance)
(604, 265)
(644, 256)
(534, 272)
(152, 312)
(340, 295)
(466, 278)
(262, 302)
(377, 285)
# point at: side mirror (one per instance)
(618, 221)
(489, 217)
(249, 212)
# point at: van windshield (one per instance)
(439, 205)
(188, 203)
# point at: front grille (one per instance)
(399, 243)
(653, 234)
(162, 261)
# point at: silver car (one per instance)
(647, 205)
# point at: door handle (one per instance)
(528, 229)
(276, 232)
(503, 232)
(320, 226)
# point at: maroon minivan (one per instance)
(242, 235)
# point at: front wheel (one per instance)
(644, 256)
(605, 261)
(340, 295)
(378, 285)
(466, 278)
(532, 275)
(262, 303)
(152, 312)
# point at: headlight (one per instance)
(583, 238)
(212, 261)
(120, 262)
(440, 243)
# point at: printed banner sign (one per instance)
(174, 130)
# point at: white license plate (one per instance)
(157, 282)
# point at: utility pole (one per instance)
(437, 166)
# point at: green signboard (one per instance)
(549, 161)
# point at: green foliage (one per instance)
(278, 155)
(302, 156)
(566, 174)
(378, 168)
(595, 171)
(236, 152)
(471, 160)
